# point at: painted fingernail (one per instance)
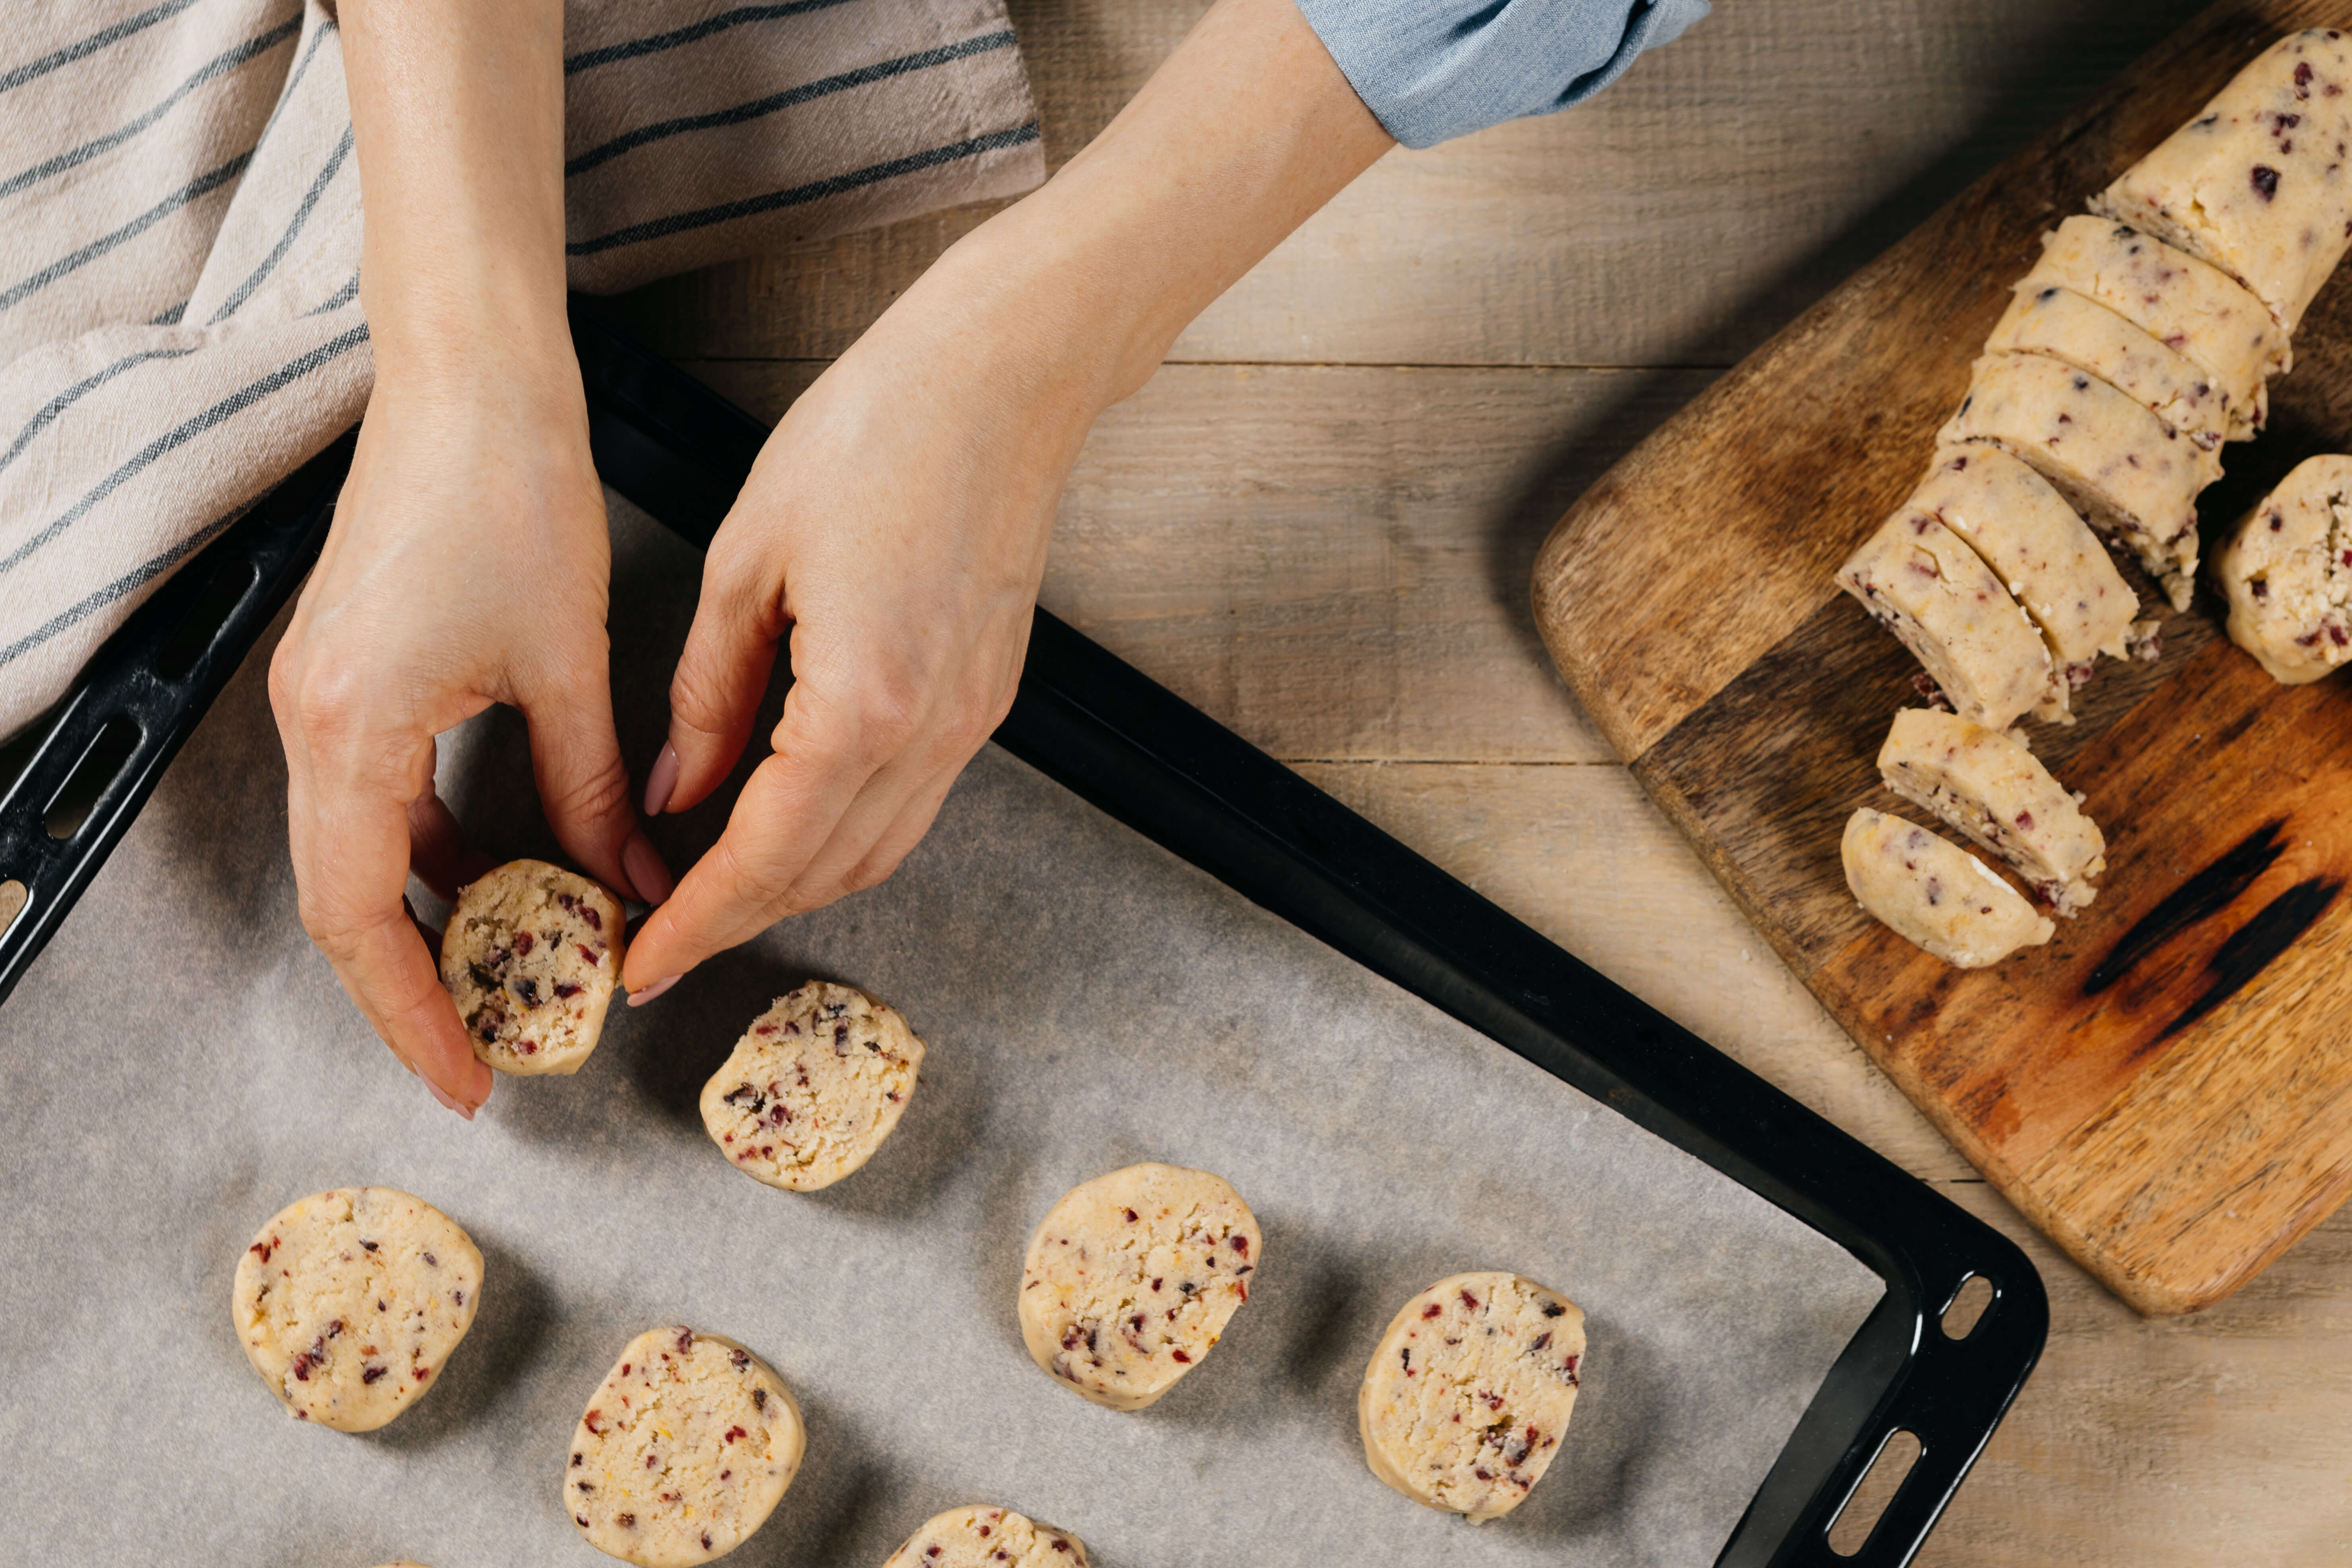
(639, 998)
(643, 862)
(448, 1101)
(661, 781)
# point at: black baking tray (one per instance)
(1117, 740)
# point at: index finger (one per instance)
(351, 852)
(787, 811)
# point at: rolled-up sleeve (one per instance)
(1434, 69)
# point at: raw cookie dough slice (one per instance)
(1935, 894)
(2287, 572)
(2133, 476)
(1988, 785)
(532, 956)
(988, 1538)
(348, 1302)
(812, 1087)
(1921, 581)
(1464, 1402)
(2045, 553)
(1131, 1277)
(2080, 331)
(686, 1449)
(2189, 307)
(2257, 184)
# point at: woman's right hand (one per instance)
(467, 566)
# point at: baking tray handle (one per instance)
(84, 769)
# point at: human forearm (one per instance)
(1239, 137)
(457, 109)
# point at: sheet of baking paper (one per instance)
(181, 1064)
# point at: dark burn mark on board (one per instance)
(2210, 890)
(2253, 945)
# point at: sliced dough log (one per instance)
(2260, 184)
(1465, 1400)
(813, 1087)
(685, 1450)
(1988, 785)
(530, 956)
(2056, 321)
(2132, 474)
(349, 1301)
(986, 1537)
(2040, 547)
(1935, 894)
(2186, 304)
(1921, 581)
(2287, 572)
(1131, 1278)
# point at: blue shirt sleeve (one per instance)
(1434, 69)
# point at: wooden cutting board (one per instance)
(2166, 1090)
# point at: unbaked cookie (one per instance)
(531, 954)
(2183, 303)
(1131, 1277)
(988, 1538)
(813, 1086)
(2034, 542)
(1464, 1402)
(1987, 785)
(348, 1302)
(686, 1449)
(1920, 581)
(2257, 183)
(2287, 572)
(2135, 477)
(1936, 895)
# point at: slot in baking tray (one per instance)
(1134, 752)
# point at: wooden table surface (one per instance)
(1317, 523)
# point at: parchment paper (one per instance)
(181, 1064)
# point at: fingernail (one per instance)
(661, 781)
(643, 862)
(639, 998)
(447, 1101)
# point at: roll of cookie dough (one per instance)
(2044, 552)
(2258, 183)
(813, 1087)
(531, 954)
(986, 1537)
(1988, 785)
(685, 1450)
(1936, 895)
(2191, 307)
(2288, 574)
(2132, 474)
(2080, 331)
(1920, 581)
(348, 1302)
(1129, 1279)
(1465, 1400)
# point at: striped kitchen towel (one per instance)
(180, 228)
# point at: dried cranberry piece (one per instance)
(2265, 181)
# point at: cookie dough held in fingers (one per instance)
(1130, 1278)
(530, 956)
